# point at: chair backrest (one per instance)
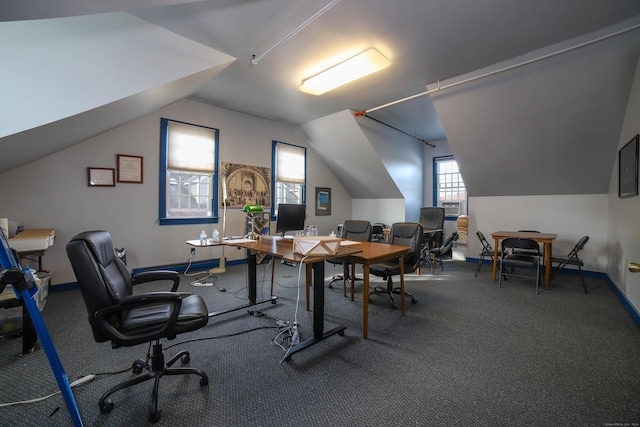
(579, 246)
(432, 218)
(530, 245)
(354, 229)
(408, 234)
(446, 246)
(102, 277)
(486, 246)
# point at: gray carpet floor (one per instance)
(467, 354)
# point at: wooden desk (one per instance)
(283, 248)
(544, 238)
(373, 253)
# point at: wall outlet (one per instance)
(193, 251)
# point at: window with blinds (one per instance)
(188, 173)
(289, 174)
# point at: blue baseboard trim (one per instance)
(593, 274)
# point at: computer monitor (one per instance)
(290, 217)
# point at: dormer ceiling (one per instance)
(427, 42)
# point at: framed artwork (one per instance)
(628, 169)
(246, 185)
(101, 177)
(129, 168)
(323, 201)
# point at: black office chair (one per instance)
(406, 234)
(571, 258)
(377, 232)
(437, 253)
(352, 230)
(486, 252)
(125, 319)
(520, 252)
(431, 218)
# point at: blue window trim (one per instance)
(274, 144)
(162, 199)
(435, 184)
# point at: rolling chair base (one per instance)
(156, 369)
(390, 290)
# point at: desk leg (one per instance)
(308, 274)
(547, 265)
(402, 303)
(495, 258)
(365, 299)
(251, 285)
(318, 314)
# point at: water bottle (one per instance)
(308, 231)
(215, 236)
(203, 238)
(314, 230)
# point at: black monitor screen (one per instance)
(290, 217)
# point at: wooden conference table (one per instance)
(544, 238)
(283, 248)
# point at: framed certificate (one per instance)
(129, 168)
(101, 177)
(628, 169)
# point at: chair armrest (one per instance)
(104, 317)
(151, 276)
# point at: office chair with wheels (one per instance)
(127, 319)
(571, 258)
(487, 251)
(520, 252)
(437, 253)
(377, 232)
(352, 229)
(406, 234)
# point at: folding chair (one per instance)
(571, 259)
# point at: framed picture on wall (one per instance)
(101, 177)
(323, 201)
(628, 169)
(129, 168)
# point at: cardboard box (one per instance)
(316, 245)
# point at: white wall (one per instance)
(386, 211)
(53, 191)
(570, 217)
(623, 226)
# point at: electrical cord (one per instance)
(75, 383)
(295, 337)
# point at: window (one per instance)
(449, 191)
(289, 174)
(188, 159)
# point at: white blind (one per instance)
(190, 148)
(290, 163)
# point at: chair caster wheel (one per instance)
(273, 302)
(107, 406)
(341, 333)
(287, 359)
(204, 381)
(185, 359)
(137, 367)
(414, 301)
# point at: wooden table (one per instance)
(283, 248)
(544, 238)
(374, 253)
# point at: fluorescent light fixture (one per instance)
(358, 66)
